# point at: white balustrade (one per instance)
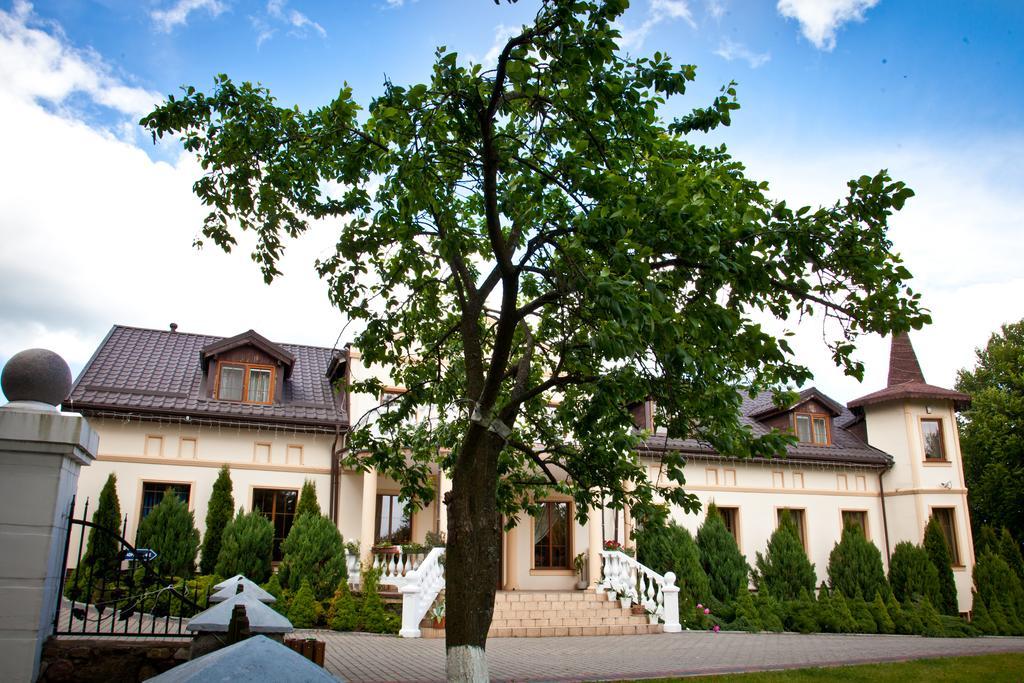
(632, 581)
(395, 566)
(419, 590)
(352, 565)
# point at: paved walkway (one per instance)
(364, 657)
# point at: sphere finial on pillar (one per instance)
(36, 375)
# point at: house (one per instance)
(172, 407)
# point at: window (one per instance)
(245, 383)
(277, 505)
(393, 522)
(933, 446)
(731, 516)
(856, 517)
(551, 537)
(153, 492)
(947, 520)
(812, 428)
(798, 517)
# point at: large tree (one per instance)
(533, 230)
(991, 437)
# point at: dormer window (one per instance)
(245, 383)
(812, 428)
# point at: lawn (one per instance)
(989, 668)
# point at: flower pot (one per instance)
(439, 623)
(638, 610)
(581, 585)
(625, 602)
(652, 619)
(611, 596)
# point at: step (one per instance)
(558, 631)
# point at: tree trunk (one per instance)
(472, 555)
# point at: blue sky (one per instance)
(99, 221)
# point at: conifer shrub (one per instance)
(313, 551)
(801, 615)
(304, 611)
(980, 618)
(247, 547)
(862, 616)
(784, 570)
(747, 617)
(218, 516)
(911, 573)
(670, 548)
(845, 623)
(273, 586)
(726, 611)
(880, 613)
(938, 552)
(170, 530)
(986, 540)
(931, 623)
(902, 623)
(374, 617)
(771, 613)
(308, 503)
(343, 614)
(855, 565)
(1009, 550)
(725, 566)
(100, 561)
(998, 585)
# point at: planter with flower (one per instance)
(437, 614)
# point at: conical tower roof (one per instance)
(906, 381)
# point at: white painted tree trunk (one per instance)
(467, 664)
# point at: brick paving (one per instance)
(364, 657)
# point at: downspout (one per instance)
(334, 475)
(885, 520)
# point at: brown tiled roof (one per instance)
(846, 447)
(159, 372)
(906, 381)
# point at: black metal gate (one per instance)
(120, 594)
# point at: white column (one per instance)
(595, 544)
(41, 452)
(369, 516)
(671, 593)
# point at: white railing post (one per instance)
(670, 591)
(410, 607)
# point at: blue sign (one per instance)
(143, 554)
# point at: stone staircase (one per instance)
(537, 614)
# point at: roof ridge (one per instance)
(214, 336)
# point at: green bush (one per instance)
(912, 574)
(313, 551)
(938, 552)
(273, 586)
(771, 613)
(374, 617)
(304, 611)
(931, 623)
(247, 547)
(308, 504)
(724, 565)
(218, 516)
(801, 615)
(862, 616)
(784, 570)
(170, 530)
(747, 616)
(343, 614)
(880, 613)
(845, 622)
(1009, 550)
(998, 586)
(980, 618)
(670, 548)
(855, 565)
(902, 623)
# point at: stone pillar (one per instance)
(369, 516)
(594, 545)
(41, 452)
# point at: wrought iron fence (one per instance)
(118, 592)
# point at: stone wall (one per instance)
(107, 661)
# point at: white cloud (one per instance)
(716, 8)
(502, 34)
(658, 12)
(299, 22)
(95, 232)
(959, 236)
(177, 14)
(729, 50)
(40, 66)
(820, 19)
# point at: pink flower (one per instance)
(715, 629)
(700, 606)
(707, 611)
